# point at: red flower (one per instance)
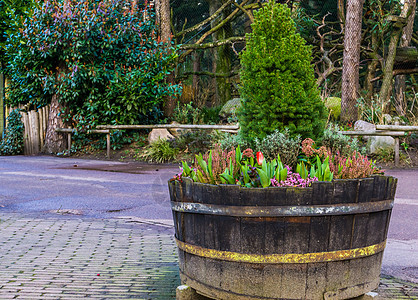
(260, 158)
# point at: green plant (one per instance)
(229, 141)
(159, 151)
(187, 114)
(405, 146)
(384, 154)
(278, 84)
(104, 61)
(242, 169)
(12, 142)
(211, 114)
(335, 141)
(373, 111)
(193, 142)
(279, 143)
(12, 13)
(321, 170)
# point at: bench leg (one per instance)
(108, 145)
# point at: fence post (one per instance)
(34, 131)
(26, 135)
(396, 148)
(69, 142)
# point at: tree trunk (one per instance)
(196, 68)
(54, 142)
(351, 60)
(386, 88)
(341, 15)
(2, 106)
(371, 68)
(222, 54)
(162, 8)
(400, 85)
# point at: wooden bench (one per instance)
(394, 131)
(106, 129)
(70, 131)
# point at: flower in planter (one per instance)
(354, 166)
(260, 158)
(241, 168)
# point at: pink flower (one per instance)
(260, 158)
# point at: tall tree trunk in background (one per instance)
(2, 106)
(162, 8)
(222, 53)
(386, 88)
(196, 68)
(54, 142)
(351, 60)
(372, 67)
(400, 86)
(341, 14)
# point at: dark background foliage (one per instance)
(103, 58)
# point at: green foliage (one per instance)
(193, 142)
(211, 114)
(334, 106)
(278, 84)
(321, 170)
(12, 142)
(384, 154)
(187, 114)
(160, 151)
(242, 169)
(11, 14)
(231, 141)
(305, 23)
(338, 142)
(373, 111)
(279, 144)
(104, 59)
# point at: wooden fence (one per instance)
(35, 123)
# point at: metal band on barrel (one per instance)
(289, 258)
(282, 211)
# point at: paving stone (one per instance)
(60, 258)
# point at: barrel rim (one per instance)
(282, 211)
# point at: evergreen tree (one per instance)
(278, 84)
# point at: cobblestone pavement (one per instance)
(73, 258)
(69, 258)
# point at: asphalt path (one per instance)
(46, 186)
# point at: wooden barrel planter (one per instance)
(321, 242)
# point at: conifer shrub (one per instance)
(278, 84)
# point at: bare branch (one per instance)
(204, 22)
(398, 72)
(230, 40)
(211, 74)
(248, 13)
(214, 29)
